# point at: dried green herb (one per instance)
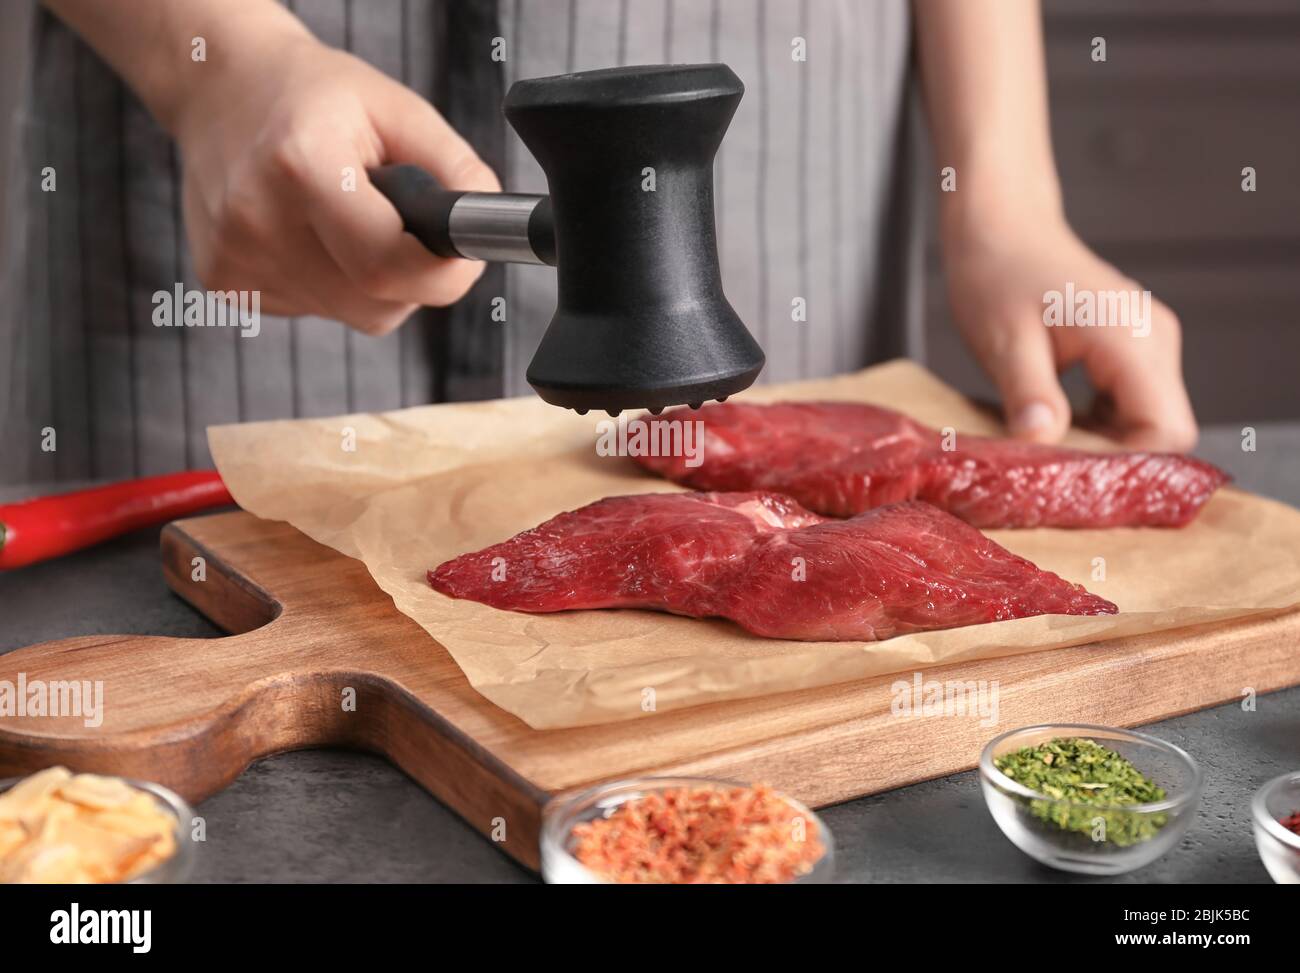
(1094, 780)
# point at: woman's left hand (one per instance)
(1002, 284)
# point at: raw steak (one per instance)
(766, 563)
(842, 458)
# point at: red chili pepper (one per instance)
(45, 527)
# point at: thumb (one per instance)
(1024, 370)
(1152, 410)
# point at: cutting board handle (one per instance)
(310, 665)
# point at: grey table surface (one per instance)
(335, 816)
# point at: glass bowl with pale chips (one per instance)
(57, 827)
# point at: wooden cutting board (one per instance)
(311, 631)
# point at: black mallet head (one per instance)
(641, 320)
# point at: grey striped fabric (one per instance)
(816, 201)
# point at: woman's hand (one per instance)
(999, 281)
(275, 139)
(1007, 245)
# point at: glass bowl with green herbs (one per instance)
(1091, 799)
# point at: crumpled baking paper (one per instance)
(404, 491)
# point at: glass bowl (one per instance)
(1278, 848)
(175, 869)
(559, 867)
(1102, 840)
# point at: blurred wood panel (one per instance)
(1161, 167)
(1150, 145)
(1185, 58)
(1057, 11)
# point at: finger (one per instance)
(363, 234)
(1151, 408)
(263, 241)
(1023, 367)
(323, 287)
(298, 277)
(323, 299)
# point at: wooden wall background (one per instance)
(1150, 146)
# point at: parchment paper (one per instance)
(423, 485)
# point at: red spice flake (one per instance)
(1292, 823)
(701, 835)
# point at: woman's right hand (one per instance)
(275, 141)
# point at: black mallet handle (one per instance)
(501, 227)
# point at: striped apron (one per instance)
(817, 204)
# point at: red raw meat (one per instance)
(842, 458)
(908, 567)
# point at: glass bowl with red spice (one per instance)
(683, 831)
(1275, 813)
